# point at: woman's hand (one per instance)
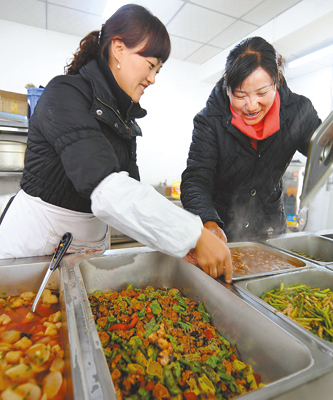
(213, 227)
(212, 255)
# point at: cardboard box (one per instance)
(15, 103)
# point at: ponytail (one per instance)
(89, 49)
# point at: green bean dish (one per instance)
(311, 307)
(159, 344)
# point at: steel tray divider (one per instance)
(78, 376)
(99, 383)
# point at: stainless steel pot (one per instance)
(12, 155)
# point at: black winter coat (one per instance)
(77, 137)
(231, 183)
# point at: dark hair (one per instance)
(132, 24)
(249, 55)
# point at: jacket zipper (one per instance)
(107, 105)
(129, 109)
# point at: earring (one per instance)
(118, 65)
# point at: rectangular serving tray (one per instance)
(283, 255)
(315, 277)
(21, 275)
(284, 360)
(310, 244)
(328, 235)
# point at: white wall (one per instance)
(318, 87)
(33, 55)
(167, 129)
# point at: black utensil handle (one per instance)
(63, 246)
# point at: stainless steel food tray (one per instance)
(319, 163)
(285, 256)
(327, 235)
(310, 244)
(316, 277)
(284, 360)
(21, 275)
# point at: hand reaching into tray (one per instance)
(213, 227)
(212, 255)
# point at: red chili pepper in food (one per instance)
(141, 379)
(150, 315)
(133, 322)
(117, 326)
(148, 309)
(190, 395)
(209, 334)
(150, 386)
(257, 377)
(114, 346)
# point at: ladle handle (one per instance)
(61, 250)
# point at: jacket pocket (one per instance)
(275, 217)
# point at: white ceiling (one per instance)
(202, 31)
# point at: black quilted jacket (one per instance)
(228, 181)
(82, 130)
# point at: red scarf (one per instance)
(264, 128)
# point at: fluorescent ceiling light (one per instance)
(311, 57)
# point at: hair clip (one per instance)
(100, 34)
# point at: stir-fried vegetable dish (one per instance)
(159, 344)
(307, 256)
(309, 306)
(31, 354)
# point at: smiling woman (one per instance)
(254, 98)
(133, 72)
(80, 173)
(243, 141)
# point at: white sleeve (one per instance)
(139, 211)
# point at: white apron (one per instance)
(32, 227)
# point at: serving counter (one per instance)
(293, 363)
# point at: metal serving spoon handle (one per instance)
(64, 243)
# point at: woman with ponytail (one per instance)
(80, 170)
(242, 143)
